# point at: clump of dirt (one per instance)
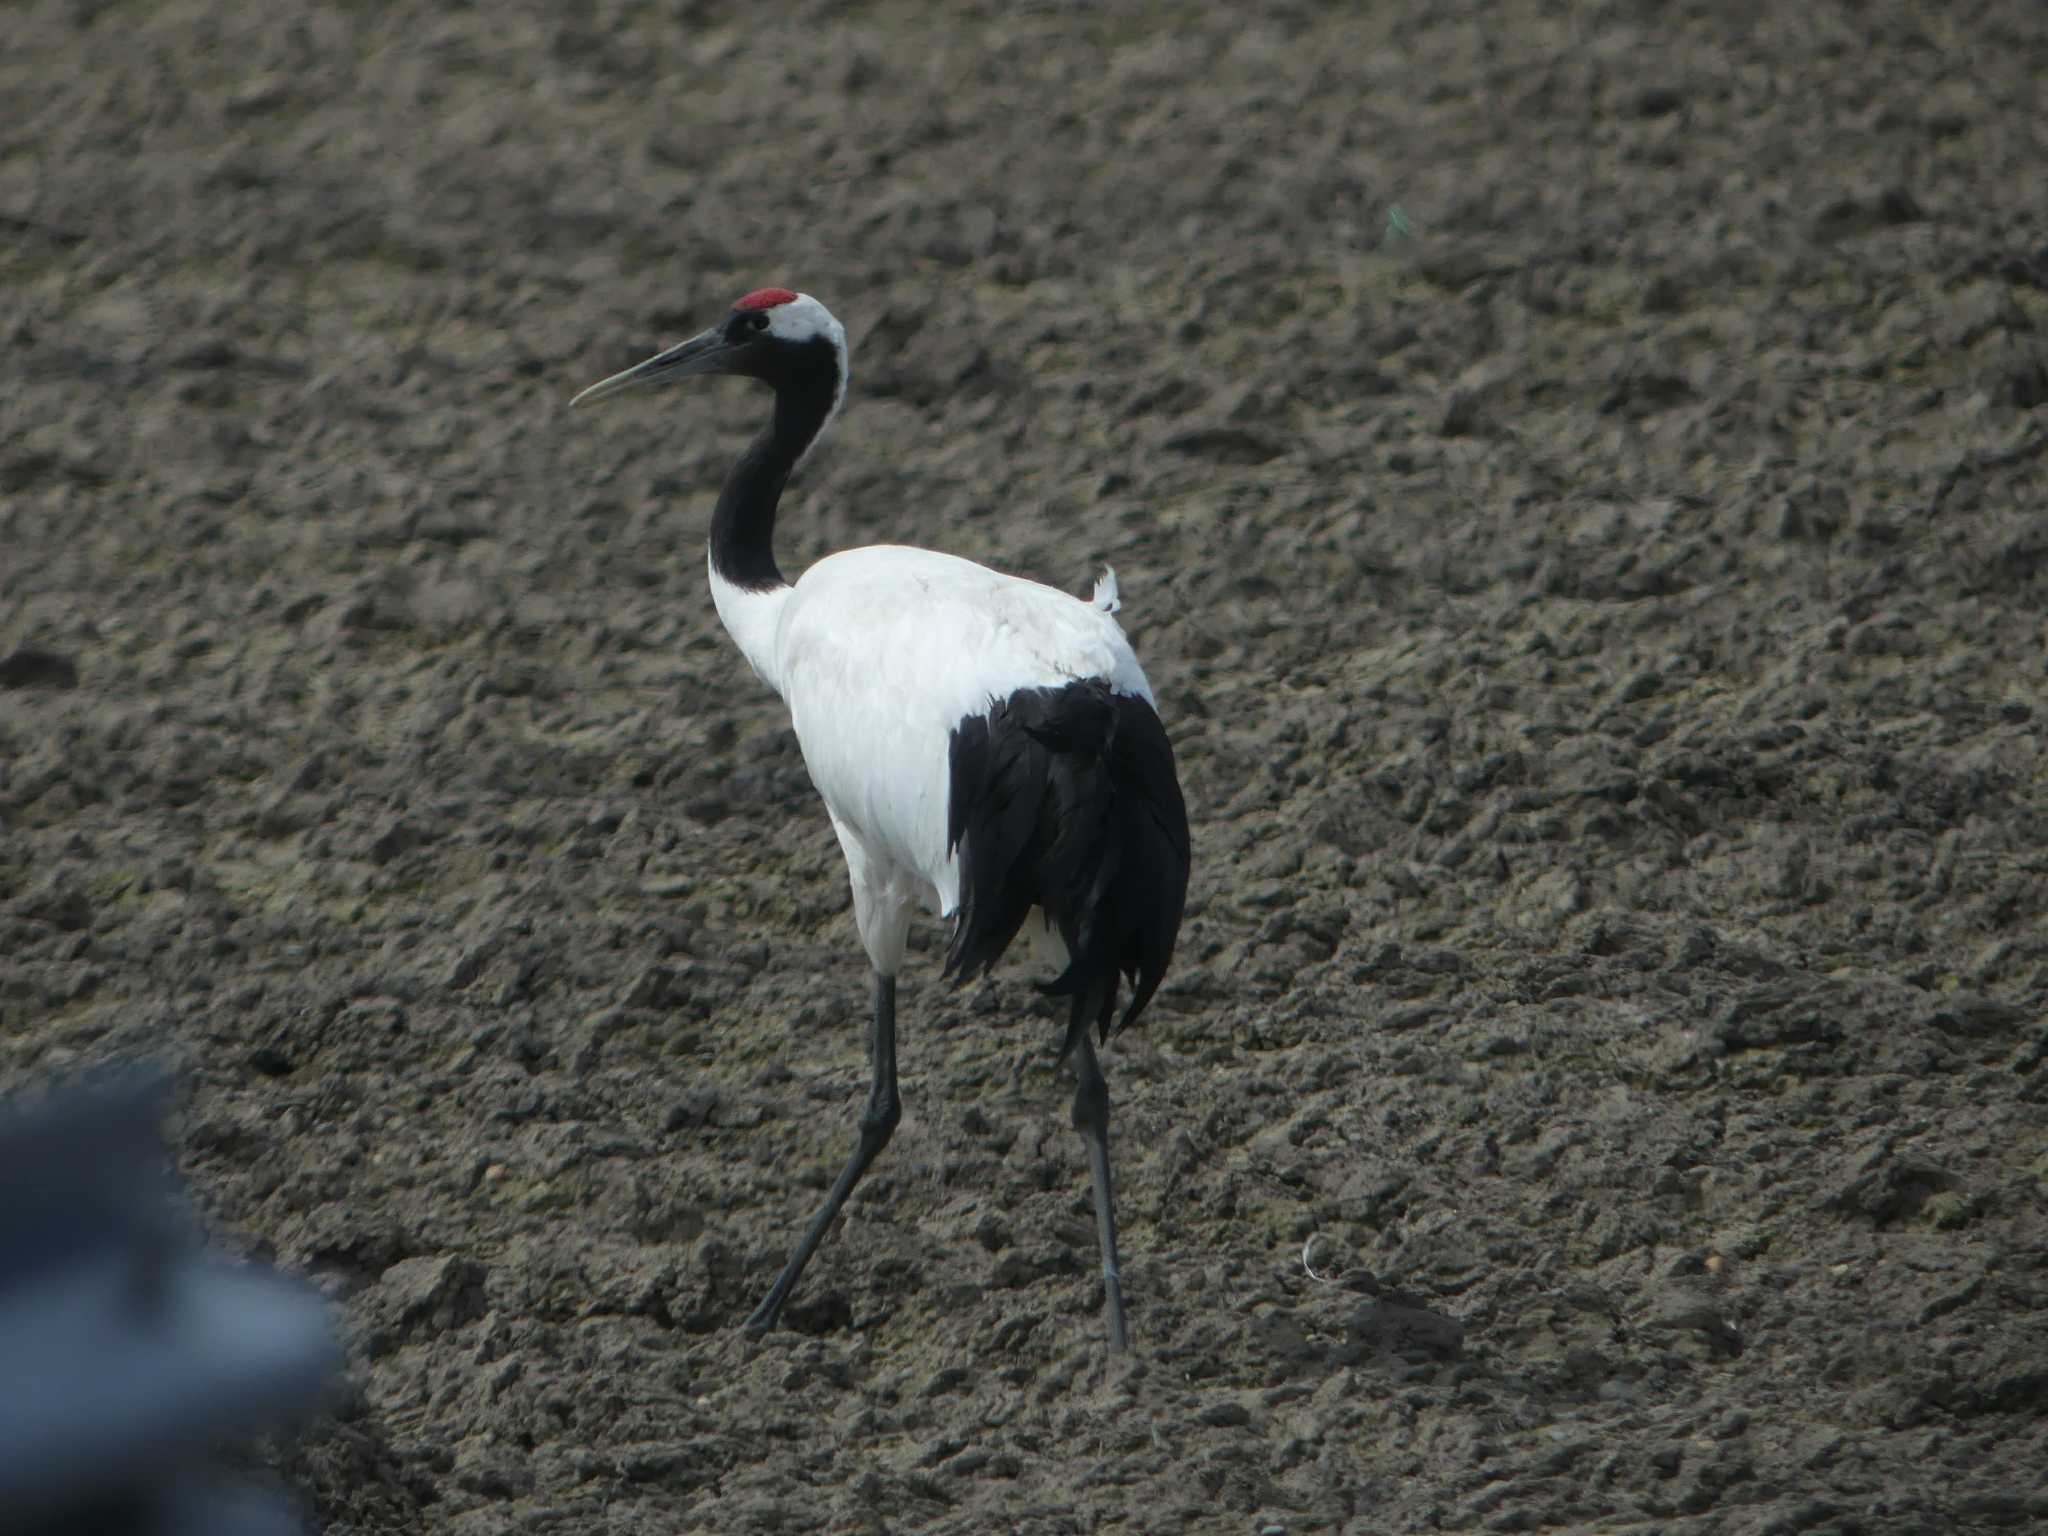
(1576, 478)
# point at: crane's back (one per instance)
(882, 653)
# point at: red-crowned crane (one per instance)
(985, 745)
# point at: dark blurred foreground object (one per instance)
(126, 1350)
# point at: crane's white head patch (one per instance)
(794, 316)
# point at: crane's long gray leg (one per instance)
(877, 1124)
(1091, 1119)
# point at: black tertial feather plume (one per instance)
(1066, 799)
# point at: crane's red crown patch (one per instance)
(766, 298)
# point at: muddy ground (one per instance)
(1579, 479)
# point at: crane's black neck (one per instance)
(805, 377)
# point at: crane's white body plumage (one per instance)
(880, 653)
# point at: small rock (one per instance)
(694, 1108)
(650, 989)
(32, 668)
(1638, 395)
(1460, 416)
(1948, 1210)
(400, 837)
(2025, 381)
(271, 1061)
(443, 1292)
(1279, 1335)
(372, 1015)
(1969, 1014)
(1641, 686)
(1678, 1308)
(590, 1053)
(946, 1379)
(467, 967)
(59, 902)
(493, 1472)
(1222, 444)
(207, 353)
(1402, 1330)
(264, 93)
(1663, 295)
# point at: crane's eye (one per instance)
(758, 320)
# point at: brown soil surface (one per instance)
(1604, 1080)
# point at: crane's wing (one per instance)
(882, 652)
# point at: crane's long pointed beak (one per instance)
(708, 353)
